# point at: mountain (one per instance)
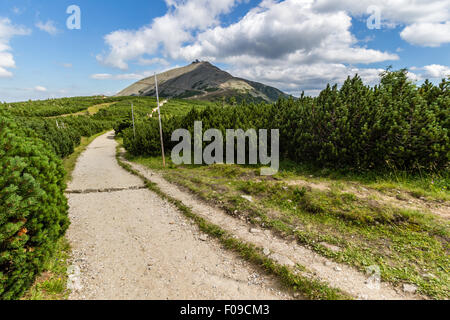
(202, 81)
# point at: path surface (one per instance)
(131, 244)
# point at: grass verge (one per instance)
(52, 284)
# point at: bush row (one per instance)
(64, 134)
(33, 208)
(395, 124)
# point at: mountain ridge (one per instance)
(202, 81)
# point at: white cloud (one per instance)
(123, 76)
(290, 46)
(437, 71)
(48, 27)
(427, 34)
(7, 31)
(153, 61)
(40, 89)
(293, 78)
(167, 33)
(392, 11)
(102, 76)
(425, 21)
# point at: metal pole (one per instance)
(132, 116)
(160, 124)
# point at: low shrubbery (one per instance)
(64, 134)
(33, 208)
(393, 125)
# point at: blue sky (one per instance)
(294, 45)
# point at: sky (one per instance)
(48, 50)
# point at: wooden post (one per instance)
(160, 124)
(132, 116)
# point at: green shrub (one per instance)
(395, 125)
(33, 208)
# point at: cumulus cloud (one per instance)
(40, 89)
(397, 11)
(7, 31)
(292, 44)
(168, 32)
(425, 22)
(437, 71)
(294, 79)
(289, 29)
(48, 27)
(427, 34)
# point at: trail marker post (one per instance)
(132, 116)
(160, 124)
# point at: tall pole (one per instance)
(160, 124)
(132, 116)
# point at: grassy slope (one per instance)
(409, 246)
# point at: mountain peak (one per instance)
(203, 81)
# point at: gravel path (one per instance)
(131, 244)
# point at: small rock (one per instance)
(338, 269)
(409, 288)
(296, 295)
(363, 297)
(282, 260)
(331, 247)
(328, 263)
(253, 230)
(248, 198)
(266, 251)
(203, 237)
(429, 276)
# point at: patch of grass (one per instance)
(51, 285)
(96, 108)
(70, 161)
(433, 186)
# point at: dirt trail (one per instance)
(130, 244)
(356, 283)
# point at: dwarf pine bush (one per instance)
(33, 208)
(393, 125)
